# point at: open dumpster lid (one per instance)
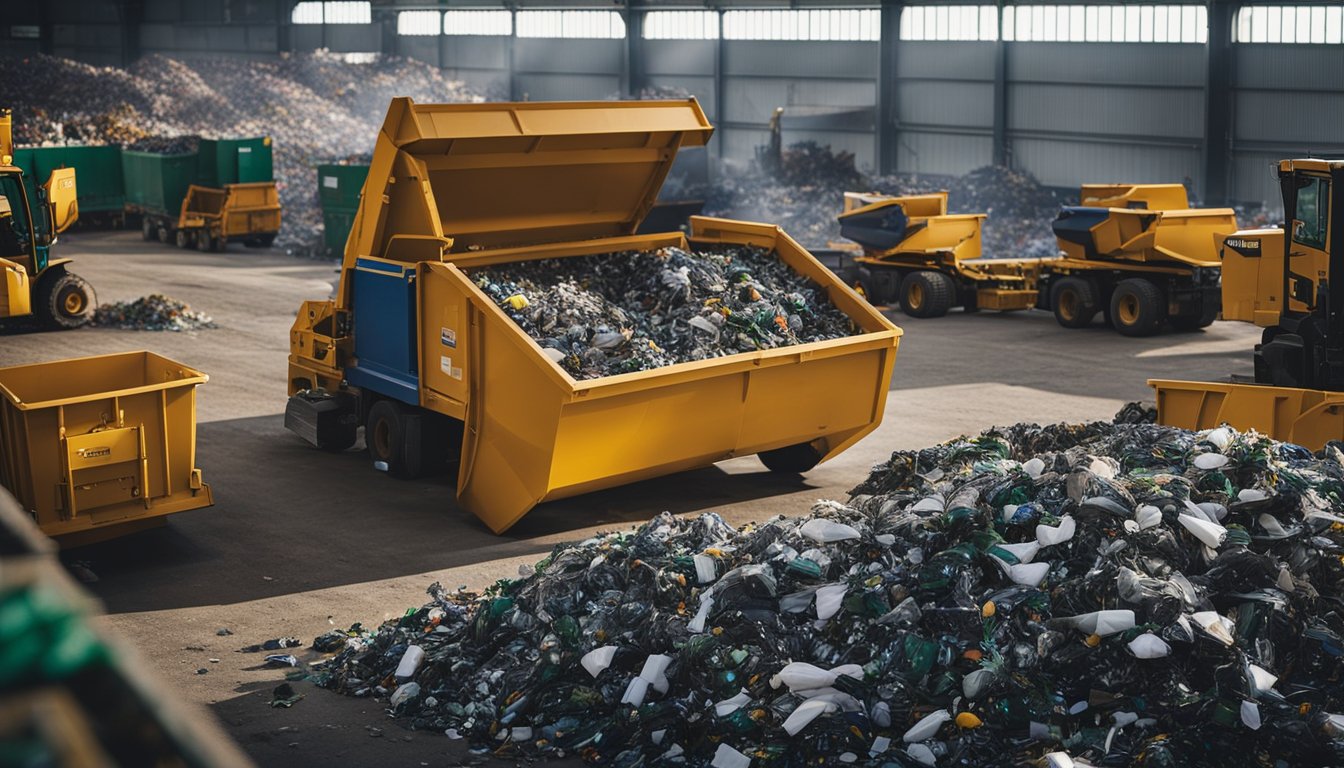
(512, 174)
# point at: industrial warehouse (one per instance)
(671, 383)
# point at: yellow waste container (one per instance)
(1308, 417)
(96, 447)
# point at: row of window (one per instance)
(1117, 23)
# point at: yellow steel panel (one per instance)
(1304, 416)
(15, 290)
(98, 449)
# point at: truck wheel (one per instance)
(65, 301)
(927, 294)
(204, 243)
(791, 459)
(1137, 307)
(164, 235)
(147, 229)
(1194, 322)
(183, 239)
(1074, 301)
(396, 440)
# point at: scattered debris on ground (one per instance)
(1112, 593)
(622, 312)
(154, 312)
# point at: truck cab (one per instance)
(34, 283)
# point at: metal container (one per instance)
(234, 161)
(157, 183)
(98, 169)
(1308, 417)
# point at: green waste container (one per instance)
(338, 188)
(157, 183)
(234, 161)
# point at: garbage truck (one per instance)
(34, 284)
(1281, 281)
(412, 350)
(1136, 253)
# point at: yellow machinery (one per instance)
(212, 218)
(96, 447)
(1282, 284)
(412, 349)
(1135, 252)
(31, 282)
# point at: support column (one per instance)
(887, 117)
(720, 108)
(1000, 152)
(1217, 104)
(513, 55)
(632, 70)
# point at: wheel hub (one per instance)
(1129, 310)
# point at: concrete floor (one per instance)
(300, 541)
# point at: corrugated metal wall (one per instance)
(1288, 100)
(944, 106)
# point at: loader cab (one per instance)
(16, 223)
(1306, 347)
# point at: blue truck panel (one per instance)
(385, 325)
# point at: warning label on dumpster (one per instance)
(330, 182)
(446, 365)
(448, 336)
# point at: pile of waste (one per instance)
(806, 195)
(1089, 594)
(155, 312)
(622, 312)
(318, 107)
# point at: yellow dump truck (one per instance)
(1282, 283)
(97, 447)
(212, 218)
(415, 352)
(1134, 252)
(31, 282)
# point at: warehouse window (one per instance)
(574, 24)
(840, 24)
(485, 23)
(342, 12)
(1289, 24)
(950, 22)
(419, 23)
(1106, 23)
(681, 25)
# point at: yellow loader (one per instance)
(1283, 284)
(31, 282)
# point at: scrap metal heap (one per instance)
(1105, 593)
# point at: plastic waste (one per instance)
(927, 727)
(410, 662)
(403, 694)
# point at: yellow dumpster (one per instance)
(413, 349)
(1308, 417)
(96, 447)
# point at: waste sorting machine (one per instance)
(103, 446)
(1136, 253)
(31, 282)
(222, 192)
(411, 348)
(1282, 283)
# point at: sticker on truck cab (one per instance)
(1246, 246)
(448, 337)
(446, 365)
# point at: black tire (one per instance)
(65, 301)
(204, 242)
(147, 229)
(183, 238)
(927, 294)
(165, 236)
(791, 459)
(1188, 323)
(410, 442)
(265, 241)
(1137, 307)
(1074, 302)
(972, 303)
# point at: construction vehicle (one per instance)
(221, 193)
(31, 282)
(412, 349)
(1282, 284)
(1135, 253)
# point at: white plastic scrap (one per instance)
(705, 568)
(1250, 715)
(921, 754)
(929, 504)
(1059, 760)
(880, 744)
(927, 726)
(727, 757)
(1210, 533)
(827, 531)
(1147, 516)
(1210, 460)
(598, 659)
(729, 706)
(1149, 646)
(1216, 625)
(1029, 574)
(1261, 680)
(805, 713)
(1103, 623)
(1024, 552)
(1033, 467)
(1220, 437)
(1047, 534)
(829, 599)
(635, 692)
(1251, 494)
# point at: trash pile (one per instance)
(807, 196)
(1090, 594)
(155, 312)
(318, 107)
(622, 312)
